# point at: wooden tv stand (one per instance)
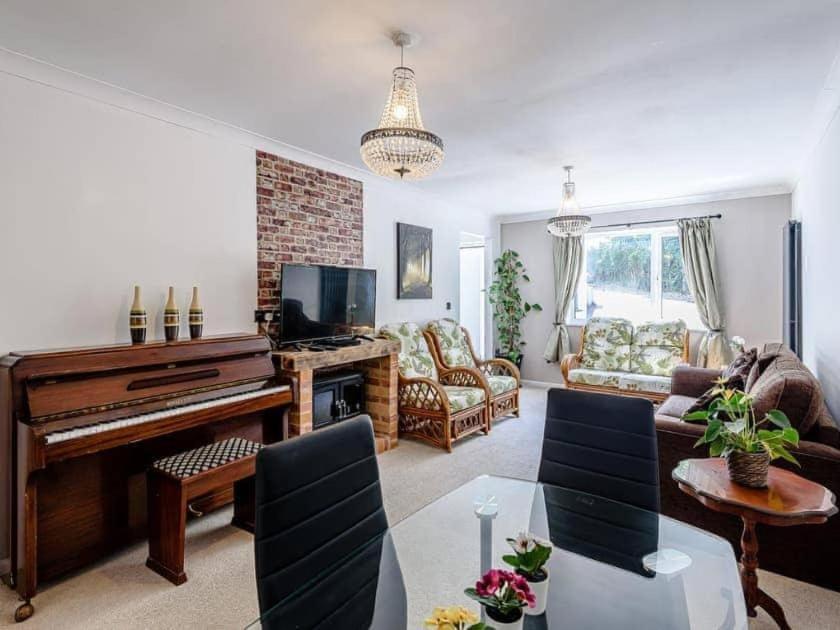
(377, 359)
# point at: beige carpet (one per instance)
(122, 593)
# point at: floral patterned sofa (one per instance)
(616, 357)
(436, 404)
(452, 347)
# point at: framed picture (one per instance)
(414, 262)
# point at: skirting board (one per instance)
(531, 383)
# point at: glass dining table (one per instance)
(612, 566)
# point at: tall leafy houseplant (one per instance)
(509, 308)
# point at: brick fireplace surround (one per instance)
(308, 215)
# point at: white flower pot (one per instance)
(540, 590)
(498, 625)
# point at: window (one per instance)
(637, 274)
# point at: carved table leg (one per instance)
(749, 564)
(753, 595)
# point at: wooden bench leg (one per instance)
(244, 501)
(167, 524)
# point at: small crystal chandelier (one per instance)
(569, 221)
(400, 147)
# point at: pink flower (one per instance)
(489, 583)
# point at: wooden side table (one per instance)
(788, 500)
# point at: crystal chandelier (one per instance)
(400, 147)
(569, 221)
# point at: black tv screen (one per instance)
(320, 302)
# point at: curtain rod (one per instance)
(629, 223)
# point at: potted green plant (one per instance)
(503, 594)
(747, 443)
(509, 308)
(528, 560)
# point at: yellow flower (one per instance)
(451, 618)
(463, 615)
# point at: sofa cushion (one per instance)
(500, 384)
(734, 376)
(786, 384)
(587, 376)
(415, 360)
(463, 397)
(621, 380)
(606, 344)
(676, 406)
(453, 343)
(667, 333)
(657, 347)
(765, 358)
(645, 383)
(737, 372)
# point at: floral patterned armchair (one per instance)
(616, 357)
(451, 347)
(436, 404)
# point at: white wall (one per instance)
(749, 249)
(816, 202)
(101, 189)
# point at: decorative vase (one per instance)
(748, 469)
(505, 622)
(137, 319)
(540, 590)
(196, 316)
(171, 317)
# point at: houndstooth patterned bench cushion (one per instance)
(206, 458)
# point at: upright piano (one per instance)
(78, 428)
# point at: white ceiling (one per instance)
(649, 99)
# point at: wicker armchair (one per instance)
(452, 347)
(436, 405)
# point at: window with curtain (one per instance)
(634, 273)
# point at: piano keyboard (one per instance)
(72, 434)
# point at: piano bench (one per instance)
(172, 482)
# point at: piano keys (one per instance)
(78, 429)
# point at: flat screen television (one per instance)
(321, 302)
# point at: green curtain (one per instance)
(568, 264)
(698, 253)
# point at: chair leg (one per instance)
(244, 501)
(167, 509)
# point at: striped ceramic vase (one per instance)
(137, 319)
(196, 316)
(171, 317)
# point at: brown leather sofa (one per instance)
(807, 552)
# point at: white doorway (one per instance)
(472, 295)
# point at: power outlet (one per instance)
(266, 316)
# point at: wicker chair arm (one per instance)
(569, 362)
(422, 393)
(463, 377)
(500, 367)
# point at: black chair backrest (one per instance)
(601, 444)
(319, 524)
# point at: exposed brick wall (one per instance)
(304, 215)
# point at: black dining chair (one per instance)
(320, 528)
(603, 445)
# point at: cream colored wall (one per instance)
(749, 249)
(101, 189)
